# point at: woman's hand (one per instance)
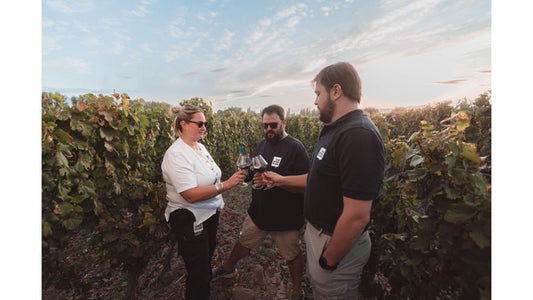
(235, 179)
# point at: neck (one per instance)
(342, 107)
(189, 141)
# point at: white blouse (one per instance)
(185, 168)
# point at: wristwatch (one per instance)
(324, 264)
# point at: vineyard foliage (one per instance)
(431, 226)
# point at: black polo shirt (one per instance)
(349, 160)
(276, 209)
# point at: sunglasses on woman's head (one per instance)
(272, 125)
(199, 123)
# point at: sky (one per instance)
(251, 54)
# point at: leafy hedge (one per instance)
(430, 226)
(101, 173)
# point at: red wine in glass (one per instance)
(260, 165)
(244, 162)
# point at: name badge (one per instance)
(321, 153)
(276, 161)
(198, 229)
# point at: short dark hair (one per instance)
(274, 109)
(345, 75)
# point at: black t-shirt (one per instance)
(349, 160)
(276, 209)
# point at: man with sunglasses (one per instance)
(277, 212)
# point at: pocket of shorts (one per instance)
(329, 287)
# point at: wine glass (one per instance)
(244, 162)
(260, 165)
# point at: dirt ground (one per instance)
(261, 275)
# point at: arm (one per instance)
(293, 183)
(202, 193)
(352, 221)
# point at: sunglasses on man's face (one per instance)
(199, 123)
(272, 125)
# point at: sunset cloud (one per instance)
(450, 81)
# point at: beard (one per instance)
(326, 112)
(276, 137)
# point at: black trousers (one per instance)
(197, 249)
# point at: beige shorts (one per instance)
(288, 241)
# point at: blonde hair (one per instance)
(184, 113)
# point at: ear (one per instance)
(336, 92)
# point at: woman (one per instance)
(194, 197)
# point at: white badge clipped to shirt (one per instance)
(198, 229)
(321, 153)
(276, 161)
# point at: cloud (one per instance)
(81, 27)
(273, 35)
(408, 25)
(79, 65)
(335, 6)
(141, 10)
(314, 65)
(207, 17)
(326, 10)
(51, 43)
(282, 14)
(220, 70)
(118, 44)
(130, 59)
(450, 81)
(225, 42)
(180, 50)
(70, 6)
(146, 48)
(111, 22)
(388, 4)
(276, 84)
(175, 29)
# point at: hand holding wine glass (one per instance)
(259, 164)
(272, 178)
(244, 162)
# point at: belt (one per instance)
(320, 229)
(327, 232)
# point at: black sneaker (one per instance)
(220, 272)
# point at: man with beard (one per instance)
(346, 174)
(277, 212)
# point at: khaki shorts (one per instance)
(288, 241)
(343, 282)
